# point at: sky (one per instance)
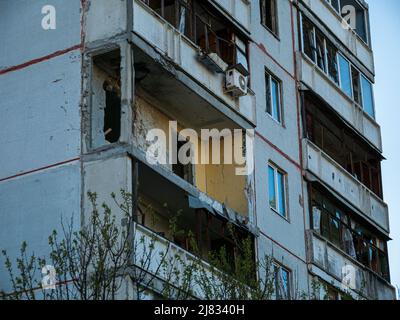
(385, 28)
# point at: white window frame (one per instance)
(276, 188)
(289, 271)
(340, 75)
(280, 105)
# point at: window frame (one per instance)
(363, 77)
(274, 18)
(339, 54)
(278, 196)
(269, 77)
(314, 61)
(278, 268)
(367, 41)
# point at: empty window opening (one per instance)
(355, 75)
(269, 16)
(112, 113)
(308, 39)
(106, 99)
(332, 62)
(185, 171)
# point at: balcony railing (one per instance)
(182, 51)
(347, 186)
(320, 83)
(347, 272)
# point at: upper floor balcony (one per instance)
(333, 93)
(333, 176)
(192, 38)
(348, 20)
(341, 270)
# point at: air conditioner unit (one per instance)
(236, 83)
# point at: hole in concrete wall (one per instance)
(185, 171)
(106, 98)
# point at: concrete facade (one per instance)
(54, 149)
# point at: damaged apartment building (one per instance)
(79, 105)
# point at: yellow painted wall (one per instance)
(218, 181)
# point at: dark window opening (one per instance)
(106, 98)
(215, 235)
(320, 50)
(185, 171)
(269, 16)
(337, 224)
(356, 85)
(333, 69)
(309, 39)
(112, 113)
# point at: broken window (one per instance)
(269, 16)
(106, 99)
(207, 29)
(308, 39)
(327, 57)
(342, 145)
(320, 41)
(355, 75)
(335, 223)
(185, 171)
(177, 12)
(332, 56)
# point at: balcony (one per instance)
(163, 247)
(317, 81)
(345, 272)
(358, 47)
(239, 10)
(177, 53)
(335, 177)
